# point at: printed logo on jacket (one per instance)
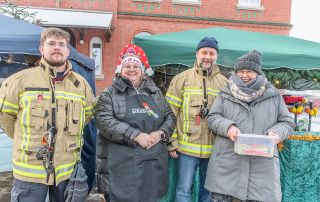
(146, 110)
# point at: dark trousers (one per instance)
(216, 197)
(29, 191)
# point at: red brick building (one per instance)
(123, 19)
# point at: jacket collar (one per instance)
(122, 84)
(215, 70)
(51, 71)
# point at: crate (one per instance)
(254, 145)
(290, 99)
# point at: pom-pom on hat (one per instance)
(210, 42)
(133, 53)
(250, 61)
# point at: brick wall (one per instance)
(131, 17)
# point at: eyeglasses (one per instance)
(54, 44)
(247, 72)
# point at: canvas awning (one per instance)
(72, 18)
(277, 50)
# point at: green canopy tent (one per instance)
(277, 50)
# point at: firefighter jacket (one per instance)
(190, 92)
(31, 102)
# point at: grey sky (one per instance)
(305, 15)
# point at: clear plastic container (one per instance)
(254, 145)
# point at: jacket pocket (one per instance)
(74, 117)
(192, 120)
(71, 145)
(38, 119)
(38, 123)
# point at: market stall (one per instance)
(289, 63)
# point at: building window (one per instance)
(247, 4)
(187, 2)
(96, 54)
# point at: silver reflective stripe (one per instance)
(195, 149)
(25, 125)
(171, 99)
(64, 171)
(29, 170)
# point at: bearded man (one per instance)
(191, 94)
(44, 109)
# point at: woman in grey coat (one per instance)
(250, 105)
(135, 123)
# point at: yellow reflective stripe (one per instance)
(9, 107)
(88, 110)
(192, 88)
(65, 169)
(195, 148)
(173, 103)
(193, 91)
(214, 94)
(24, 122)
(70, 96)
(213, 90)
(6, 110)
(82, 121)
(186, 124)
(29, 170)
(173, 100)
(34, 94)
(174, 134)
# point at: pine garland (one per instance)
(281, 77)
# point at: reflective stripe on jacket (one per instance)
(27, 100)
(186, 96)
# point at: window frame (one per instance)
(249, 5)
(97, 40)
(187, 2)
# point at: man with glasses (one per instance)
(44, 109)
(191, 94)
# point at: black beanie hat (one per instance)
(210, 42)
(250, 61)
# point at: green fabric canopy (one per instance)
(277, 50)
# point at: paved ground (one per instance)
(6, 180)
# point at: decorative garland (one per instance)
(279, 77)
(282, 76)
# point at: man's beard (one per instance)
(55, 63)
(202, 67)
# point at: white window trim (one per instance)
(250, 6)
(100, 75)
(186, 2)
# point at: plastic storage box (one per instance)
(255, 145)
